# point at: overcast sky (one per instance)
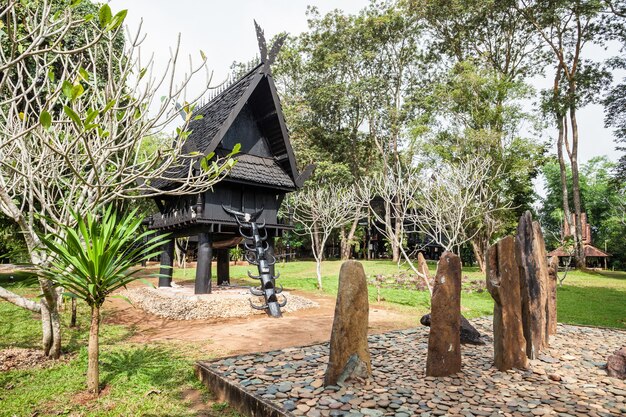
(224, 30)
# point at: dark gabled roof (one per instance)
(218, 115)
(263, 170)
(590, 251)
(217, 112)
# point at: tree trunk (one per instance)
(390, 231)
(50, 320)
(316, 242)
(580, 248)
(93, 351)
(73, 317)
(562, 125)
(479, 254)
(568, 224)
(347, 248)
(344, 244)
(46, 329)
(398, 234)
(318, 271)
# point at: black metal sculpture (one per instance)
(258, 253)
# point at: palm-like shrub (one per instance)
(95, 258)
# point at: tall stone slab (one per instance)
(444, 341)
(349, 353)
(533, 266)
(422, 266)
(503, 283)
(553, 269)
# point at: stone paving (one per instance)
(566, 380)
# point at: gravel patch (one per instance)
(181, 304)
(21, 358)
(568, 379)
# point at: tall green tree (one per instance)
(485, 55)
(615, 101)
(478, 113)
(567, 29)
(351, 107)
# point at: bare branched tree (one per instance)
(73, 121)
(320, 210)
(398, 190)
(448, 204)
(456, 201)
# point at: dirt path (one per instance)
(252, 334)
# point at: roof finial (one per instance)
(268, 59)
(260, 36)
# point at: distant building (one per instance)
(595, 258)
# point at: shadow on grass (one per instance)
(150, 364)
(18, 279)
(19, 327)
(619, 275)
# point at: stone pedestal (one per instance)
(444, 341)
(503, 283)
(349, 354)
(534, 284)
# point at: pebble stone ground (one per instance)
(179, 303)
(566, 380)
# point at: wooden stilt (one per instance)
(223, 272)
(203, 267)
(167, 262)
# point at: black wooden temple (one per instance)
(247, 112)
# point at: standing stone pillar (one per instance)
(223, 267)
(534, 284)
(553, 269)
(444, 341)
(203, 267)
(167, 263)
(503, 283)
(349, 354)
(422, 266)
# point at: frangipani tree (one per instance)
(399, 190)
(443, 203)
(73, 118)
(454, 198)
(93, 259)
(321, 209)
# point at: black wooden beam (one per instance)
(223, 267)
(203, 267)
(167, 263)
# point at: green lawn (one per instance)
(155, 380)
(586, 298)
(139, 380)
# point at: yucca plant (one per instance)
(95, 258)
